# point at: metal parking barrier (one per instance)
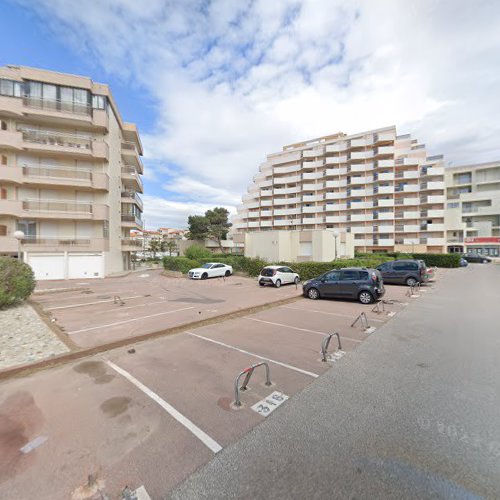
(379, 307)
(409, 292)
(117, 300)
(364, 321)
(326, 342)
(248, 372)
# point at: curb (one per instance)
(22, 370)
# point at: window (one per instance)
(453, 205)
(3, 125)
(363, 275)
(99, 102)
(350, 275)
(332, 276)
(384, 267)
(3, 193)
(3, 230)
(405, 266)
(3, 159)
(10, 88)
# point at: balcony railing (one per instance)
(129, 146)
(56, 241)
(57, 105)
(133, 194)
(56, 172)
(131, 170)
(56, 138)
(132, 218)
(132, 242)
(57, 206)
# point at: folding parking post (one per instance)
(379, 307)
(248, 372)
(326, 342)
(364, 321)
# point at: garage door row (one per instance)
(66, 265)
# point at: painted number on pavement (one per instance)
(269, 404)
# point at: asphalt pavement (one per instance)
(414, 412)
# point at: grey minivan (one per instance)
(403, 272)
(356, 283)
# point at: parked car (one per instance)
(210, 270)
(277, 276)
(463, 262)
(358, 283)
(404, 272)
(477, 258)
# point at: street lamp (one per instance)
(336, 234)
(19, 235)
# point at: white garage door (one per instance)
(85, 266)
(47, 267)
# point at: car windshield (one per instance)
(207, 266)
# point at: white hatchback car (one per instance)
(210, 270)
(277, 276)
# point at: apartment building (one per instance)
(70, 175)
(377, 185)
(473, 209)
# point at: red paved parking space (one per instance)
(153, 415)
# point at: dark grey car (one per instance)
(403, 272)
(357, 283)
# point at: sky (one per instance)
(216, 85)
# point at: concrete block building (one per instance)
(70, 175)
(379, 186)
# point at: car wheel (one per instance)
(204, 276)
(278, 283)
(261, 283)
(484, 261)
(411, 281)
(296, 280)
(365, 297)
(228, 273)
(313, 293)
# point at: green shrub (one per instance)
(439, 259)
(17, 281)
(198, 252)
(182, 264)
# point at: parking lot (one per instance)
(151, 413)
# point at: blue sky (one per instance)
(216, 85)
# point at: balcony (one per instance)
(384, 150)
(335, 159)
(309, 197)
(291, 179)
(358, 143)
(131, 245)
(330, 207)
(287, 170)
(336, 148)
(333, 184)
(130, 173)
(386, 242)
(59, 142)
(68, 244)
(386, 215)
(133, 221)
(312, 210)
(336, 171)
(55, 209)
(132, 197)
(312, 175)
(312, 187)
(266, 223)
(357, 168)
(436, 241)
(266, 203)
(11, 140)
(313, 164)
(253, 224)
(68, 111)
(131, 155)
(292, 190)
(54, 175)
(386, 189)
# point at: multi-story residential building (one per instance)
(378, 185)
(70, 175)
(473, 209)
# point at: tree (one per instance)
(197, 227)
(218, 224)
(170, 246)
(155, 246)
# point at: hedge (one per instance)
(182, 264)
(17, 281)
(430, 259)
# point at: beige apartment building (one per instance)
(473, 209)
(379, 186)
(70, 175)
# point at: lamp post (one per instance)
(336, 234)
(19, 235)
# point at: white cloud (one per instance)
(236, 80)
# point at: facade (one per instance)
(380, 187)
(70, 175)
(298, 246)
(473, 209)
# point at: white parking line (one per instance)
(285, 365)
(190, 426)
(330, 313)
(128, 320)
(90, 303)
(299, 329)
